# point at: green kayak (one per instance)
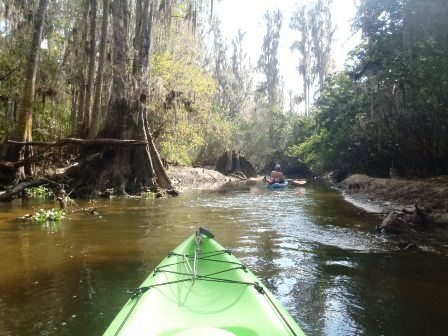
(201, 289)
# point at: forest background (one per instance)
(388, 108)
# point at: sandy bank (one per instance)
(398, 193)
(184, 178)
(401, 196)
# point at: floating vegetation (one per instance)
(48, 217)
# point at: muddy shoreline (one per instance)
(398, 193)
(406, 204)
(185, 178)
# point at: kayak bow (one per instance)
(202, 289)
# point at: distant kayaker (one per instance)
(277, 175)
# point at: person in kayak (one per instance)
(277, 175)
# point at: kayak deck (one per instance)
(210, 294)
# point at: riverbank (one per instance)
(183, 177)
(419, 202)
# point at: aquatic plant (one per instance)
(148, 195)
(48, 217)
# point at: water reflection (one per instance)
(314, 251)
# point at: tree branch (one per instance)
(82, 142)
(6, 165)
(7, 195)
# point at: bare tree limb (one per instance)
(6, 165)
(7, 195)
(82, 142)
(56, 181)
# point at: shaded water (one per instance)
(312, 249)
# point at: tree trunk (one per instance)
(118, 110)
(211, 10)
(96, 111)
(23, 130)
(73, 116)
(232, 163)
(132, 169)
(82, 55)
(91, 72)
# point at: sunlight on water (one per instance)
(313, 250)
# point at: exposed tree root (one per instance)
(126, 166)
(234, 164)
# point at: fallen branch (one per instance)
(10, 166)
(7, 195)
(82, 142)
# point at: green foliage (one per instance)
(217, 136)
(191, 125)
(255, 140)
(52, 107)
(404, 66)
(149, 195)
(13, 49)
(264, 132)
(48, 218)
(317, 152)
(300, 128)
(313, 25)
(40, 192)
(329, 141)
(389, 108)
(268, 63)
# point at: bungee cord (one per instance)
(192, 275)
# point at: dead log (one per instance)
(405, 220)
(82, 142)
(395, 223)
(8, 194)
(7, 166)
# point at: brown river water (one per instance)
(316, 253)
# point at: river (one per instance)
(315, 251)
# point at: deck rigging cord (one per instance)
(197, 251)
(192, 275)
